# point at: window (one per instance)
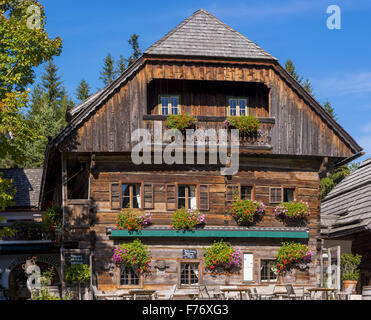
(131, 197)
(268, 271)
(246, 193)
(237, 107)
(232, 191)
(169, 105)
(288, 195)
(189, 273)
(187, 197)
(275, 195)
(128, 276)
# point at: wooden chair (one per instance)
(203, 293)
(295, 293)
(344, 295)
(269, 294)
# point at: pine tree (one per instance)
(51, 82)
(290, 68)
(83, 90)
(121, 65)
(109, 73)
(133, 41)
(330, 109)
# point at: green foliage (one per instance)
(133, 254)
(184, 219)
(108, 74)
(245, 211)
(349, 264)
(245, 124)
(131, 220)
(222, 256)
(22, 49)
(291, 69)
(7, 192)
(292, 210)
(181, 121)
(133, 41)
(44, 294)
(330, 109)
(121, 65)
(78, 273)
(83, 90)
(291, 254)
(52, 220)
(27, 230)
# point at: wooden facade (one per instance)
(298, 141)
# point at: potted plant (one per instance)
(349, 264)
(244, 124)
(222, 257)
(133, 221)
(78, 273)
(184, 219)
(246, 211)
(293, 210)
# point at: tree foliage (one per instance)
(83, 90)
(108, 74)
(24, 45)
(7, 192)
(330, 109)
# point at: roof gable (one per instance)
(202, 34)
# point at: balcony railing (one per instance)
(261, 140)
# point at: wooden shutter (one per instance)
(171, 197)
(115, 196)
(204, 197)
(275, 195)
(248, 267)
(231, 190)
(148, 195)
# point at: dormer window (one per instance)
(237, 107)
(169, 105)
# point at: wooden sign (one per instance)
(189, 254)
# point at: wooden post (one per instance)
(64, 203)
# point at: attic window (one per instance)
(169, 105)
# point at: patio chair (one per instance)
(269, 294)
(168, 294)
(345, 294)
(250, 295)
(203, 293)
(255, 294)
(295, 293)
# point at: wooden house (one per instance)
(346, 218)
(207, 69)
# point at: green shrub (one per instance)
(78, 273)
(52, 220)
(349, 264)
(184, 219)
(181, 121)
(245, 124)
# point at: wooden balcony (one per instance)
(261, 140)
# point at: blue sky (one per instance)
(336, 61)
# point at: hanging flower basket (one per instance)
(133, 254)
(246, 211)
(244, 124)
(222, 257)
(292, 210)
(293, 255)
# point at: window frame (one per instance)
(291, 188)
(129, 286)
(283, 187)
(169, 107)
(252, 186)
(189, 261)
(187, 196)
(131, 184)
(269, 270)
(243, 267)
(238, 111)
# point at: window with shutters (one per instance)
(268, 271)
(248, 267)
(232, 190)
(131, 196)
(246, 192)
(275, 195)
(187, 197)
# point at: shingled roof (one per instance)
(204, 35)
(27, 182)
(347, 208)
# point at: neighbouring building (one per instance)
(29, 241)
(205, 68)
(346, 218)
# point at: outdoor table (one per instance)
(146, 294)
(324, 290)
(240, 290)
(280, 294)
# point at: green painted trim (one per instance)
(211, 234)
(24, 247)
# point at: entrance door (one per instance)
(333, 268)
